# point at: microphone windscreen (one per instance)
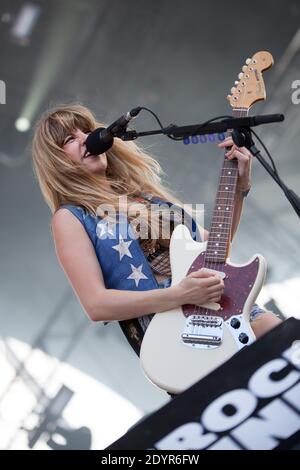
(99, 141)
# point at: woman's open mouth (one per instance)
(88, 155)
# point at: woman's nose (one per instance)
(81, 136)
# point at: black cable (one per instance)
(153, 114)
(291, 195)
(196, 131)
(268, 153)
(280, 182)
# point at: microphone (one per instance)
(102, 139)
(265, 119)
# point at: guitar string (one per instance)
(217, 265)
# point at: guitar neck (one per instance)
(218, 243)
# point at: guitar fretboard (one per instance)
(221, 223)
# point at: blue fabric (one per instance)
(255, 312)
(129, 271)
(105, 239)
(165, 283)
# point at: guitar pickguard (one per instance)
(238, 283)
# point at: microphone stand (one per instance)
(242, 138)
(241, 134)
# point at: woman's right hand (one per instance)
(200, 287)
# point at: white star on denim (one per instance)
(123, 248)
(104, 228)
(137, 274)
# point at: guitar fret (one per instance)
(218, 254)
(221, 222)
(218, 224)
(214, 234)
(228, 176)
(216, 260)
(218, 232)
(220, 239)
(224, 199)
(213, 249)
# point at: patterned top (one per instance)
(135, 328)
(159, 261)
(123, 255)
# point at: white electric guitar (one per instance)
(183, 345)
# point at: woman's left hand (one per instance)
(244, 158)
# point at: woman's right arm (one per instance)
(79, 261)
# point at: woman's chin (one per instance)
(96, 164)
(97, 169)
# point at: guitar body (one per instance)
(170, 363)
(183, 345)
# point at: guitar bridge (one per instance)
(203, 331)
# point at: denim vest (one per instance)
(122, 260)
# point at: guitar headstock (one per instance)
(250, 87)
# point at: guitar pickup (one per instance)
(202, 339)
(203, 331)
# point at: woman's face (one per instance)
(74, 146)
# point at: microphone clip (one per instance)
(242, 137)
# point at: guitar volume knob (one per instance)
(235, 323)
(243, 338)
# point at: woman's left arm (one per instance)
(244, 157)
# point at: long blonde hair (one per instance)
(130, 170)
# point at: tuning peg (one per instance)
(233, 90)
(248, 61)
(241, 75)
(236, 82)
(244, 68)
